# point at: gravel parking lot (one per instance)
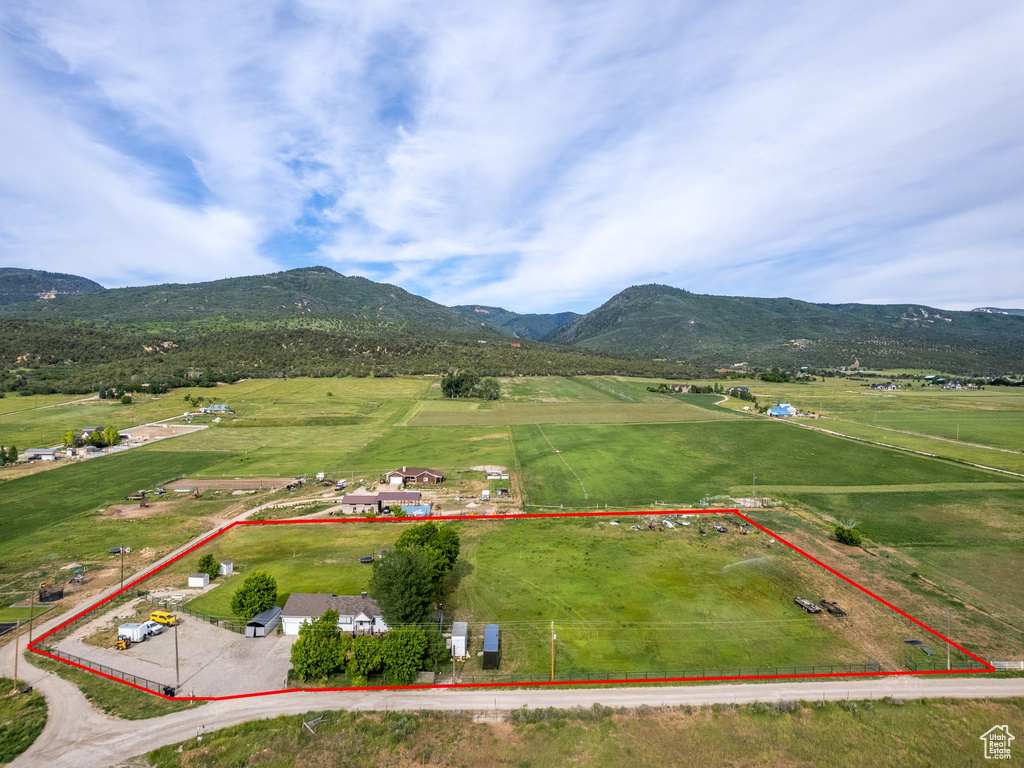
(213, 661)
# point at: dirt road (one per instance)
(76, 735)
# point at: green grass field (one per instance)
(22, 719)
(621, 600)
(577, 442)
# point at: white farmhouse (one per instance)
(357, 614)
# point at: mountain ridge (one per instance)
(667, 322)
(19, 285)
(654, 321)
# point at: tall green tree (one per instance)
(403, 584)
(439, 543)
(208, 565)
(364, 658)
(258, 593)
(402, 652)
(321, 648)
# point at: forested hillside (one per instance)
(671, 323)
(24, 285)
(295, 293)
(74, 357)
(527, 326)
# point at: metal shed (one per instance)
(460, 633)
(226, 567)
(262, 624)
(198, 579)
(492, 646)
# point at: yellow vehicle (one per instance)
(122, 644)
(163, 617)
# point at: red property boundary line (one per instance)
(986, 666)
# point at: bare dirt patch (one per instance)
(234, 484)
(134, 511)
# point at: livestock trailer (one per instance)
(460, 633)
(262, 624)
(492, 646)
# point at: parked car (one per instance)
(163, 617)
(153, 627)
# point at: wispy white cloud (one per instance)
(536, 155)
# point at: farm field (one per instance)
(1000, 429)
(998, 458)
(622, 600)
(461, 412)
(955, 525)
(679, 464)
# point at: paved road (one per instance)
(78, 735)
(82, 738)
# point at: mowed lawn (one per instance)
(318, 557)
(681, 463)
(621, 600)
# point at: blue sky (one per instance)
(537, 155)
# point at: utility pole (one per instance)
(17, 631)
(552, 650)
(122, 567)
(947, 641)
(177, 670)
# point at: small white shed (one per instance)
(460, 634)
(198, 579)
(226, 567)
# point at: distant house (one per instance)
(782, 410)
(738, 389)
(360, 503)
(888, 385)
(357, 614)
(87, 431)
(414, 476)
(683, 388)
(193, 373)
(515, 345)
(219, 408)
(387, 498)
(953, 384)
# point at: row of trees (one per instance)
(323, 650)
(469, 384)
(99, 438)
(8, 455)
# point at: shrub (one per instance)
(849, 536)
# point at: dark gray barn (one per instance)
(262, 624)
